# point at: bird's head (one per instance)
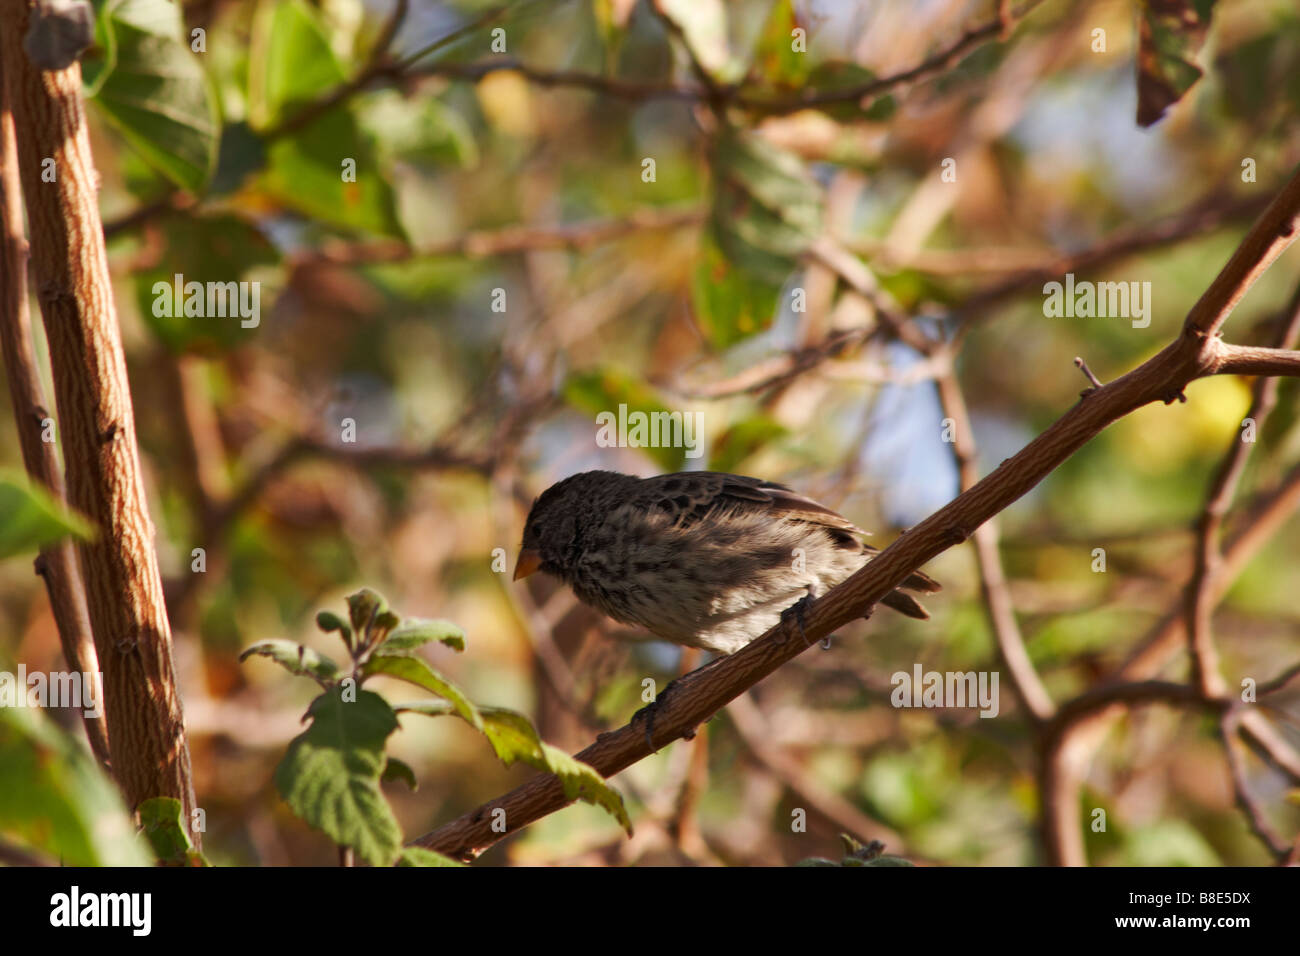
(552, 531)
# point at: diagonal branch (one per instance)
(691, 700)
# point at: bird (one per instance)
(702, 559)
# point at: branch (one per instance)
(940, 62)
(692, 699)
(480, 244)
(57, 563)
(1208, 558)
(1255, 815)
(632, 91)
(1252, 360)
(381, 68)
(1206, 217)
(376, 66)
(146, 729)
(1068, 753)
(1028, 685)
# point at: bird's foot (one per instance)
(796, 614)
(650, 710)
(647, 714)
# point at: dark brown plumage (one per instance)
(704, 559)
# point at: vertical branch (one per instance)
(1201, 595)
(146, 731)
(993, 580)
(57, 563)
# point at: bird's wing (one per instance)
(691, 496)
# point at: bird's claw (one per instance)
(797, 611)
(647, 713)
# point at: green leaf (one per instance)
(775, 177)
(743, 439)
(55, 800)
(215, 251)
(730, 303)
(604, 390)
(399, 771)
(419, 856)
(766, 210)
(305, 173)
(241, 153)
(581, 781)
(328, 621)
(419, 129)
(514, 738)
(775, 58)
(428, 708)
(161, 822)
(293, 61)
(414, 633)
(151, 88)
(1170, 33)
(297, 659)
(293, 65)
(417, 671)
(364, 607)
(33, 518)
(330, 774)
(839, 75)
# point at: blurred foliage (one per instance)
(331, 773)
(465, 259)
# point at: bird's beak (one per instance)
(530, 560)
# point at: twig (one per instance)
(1207, 216)
(1001, 611)
(1256, 818)
(939, 62)
(481, 244)
(1200, 599)
(833, 808)
(1278, 682)
(1065, 761)
(376, 65)
(1082, 366)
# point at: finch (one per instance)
(704, 559)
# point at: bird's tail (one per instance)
(905, 603)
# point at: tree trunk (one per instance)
(146, 730)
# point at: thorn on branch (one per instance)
(1082, 366)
